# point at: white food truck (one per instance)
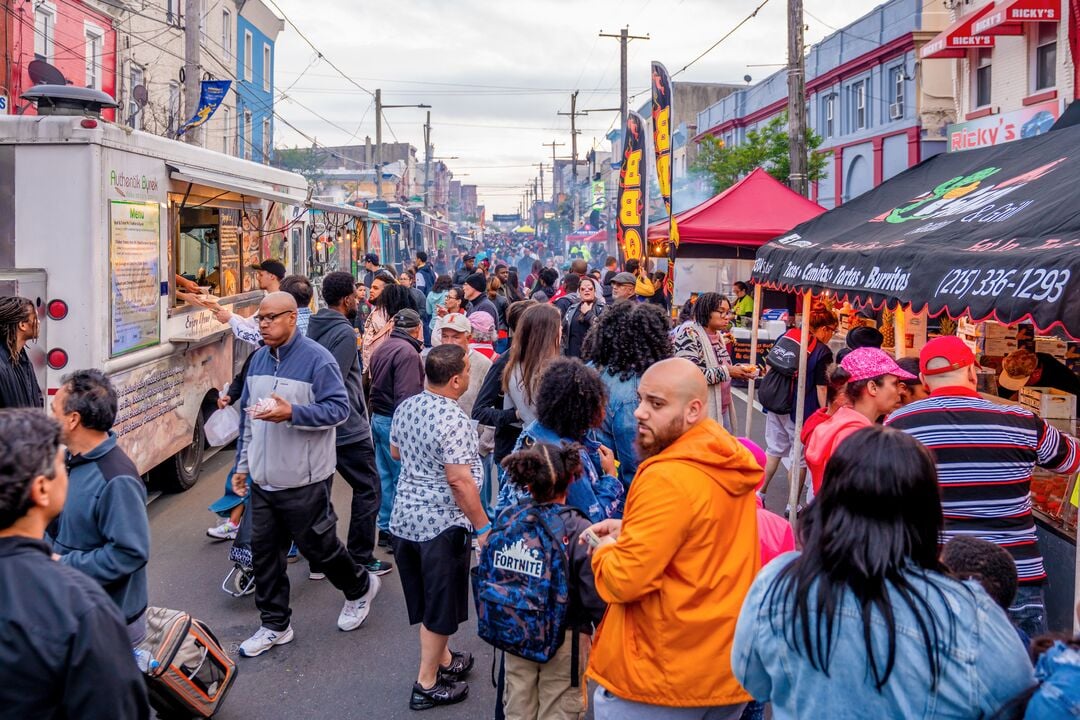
(96, 223)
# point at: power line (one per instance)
(728, 34)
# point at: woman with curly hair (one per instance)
(626, 340)
(570, 402)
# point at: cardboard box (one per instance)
(1049, 402)
(998, 347)
(989, 330)
(1052, 346)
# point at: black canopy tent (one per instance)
(992, 233)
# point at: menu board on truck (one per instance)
(229, 252)
(251, 253)
(134, 249)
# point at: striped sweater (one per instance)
(985, 454)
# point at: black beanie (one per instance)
(477, 282)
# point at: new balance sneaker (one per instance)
(445, 692)
(460, 665)
(354, 612)
(263, 640)
(225, 531)
(379, 567)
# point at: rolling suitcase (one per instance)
(188, 673)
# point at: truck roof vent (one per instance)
(68, 100)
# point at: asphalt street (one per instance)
(323, 673)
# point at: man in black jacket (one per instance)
(332, 328)
(64, 650)
(18, 382)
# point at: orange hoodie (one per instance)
(675, 580)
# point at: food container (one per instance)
(1048, 402)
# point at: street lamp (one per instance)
(379, 107)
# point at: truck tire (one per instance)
(181, 471)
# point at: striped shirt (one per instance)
(985, 454)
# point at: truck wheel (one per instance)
(181, 471)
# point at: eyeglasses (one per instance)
(271, 317)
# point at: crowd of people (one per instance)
(546, 447)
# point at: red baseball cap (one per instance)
(949, 348)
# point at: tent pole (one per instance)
(753, 358)
(794, 486)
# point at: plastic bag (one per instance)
(223, 426)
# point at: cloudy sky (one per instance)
(497, 72)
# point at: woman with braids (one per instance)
(626, 340)
(547, 691)
(570, 401)
(18, 382)
(700, 340)
(865, 621)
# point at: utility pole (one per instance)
(541, 167)
(554, 196)
(624, 37)
(797, 177)
(379, 107)
(192, 48)
(427, 161)
(573, 152)
(532, 210)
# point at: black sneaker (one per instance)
(460, 665)
(379, 567)
(445, 692)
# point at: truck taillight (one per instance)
(57, 309)
(57, 358)
(89, 123)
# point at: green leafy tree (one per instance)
(306, 161)
(766, 147)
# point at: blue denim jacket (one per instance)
(983, 664)
(620, 426)
(597, 495)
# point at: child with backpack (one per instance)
(534, 589)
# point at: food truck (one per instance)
(97, 222)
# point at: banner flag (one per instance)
(210, 99)
(661, 124)
(632, 219)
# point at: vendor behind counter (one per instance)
(1023, 368)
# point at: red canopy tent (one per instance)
(751, 212)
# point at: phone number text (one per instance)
(1038, 284)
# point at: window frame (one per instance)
(268, 136)
(173, 12)
(1036, 48)
(135, 116)
(268, 58)
(246, 154)
(976, 77)
(226, 116)
(173, 116)
(47, 36)
(93, 34)
(860, 109)
(227, 34)
(249, 56)
(204, 10)
(830, 115)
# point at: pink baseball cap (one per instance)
(867, 362)
(482, 323)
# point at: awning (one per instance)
(1008, 16)
(229, 183)
(959, 38)
(343, 209)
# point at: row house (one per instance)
(1012, 62)
(134, 50)
(877, 107)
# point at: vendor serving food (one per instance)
(1023, 368)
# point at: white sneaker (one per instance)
(224, 531)
(316, 576)
(263, 640)
(356, 611)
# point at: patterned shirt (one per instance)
(985, 453)
(430, 431)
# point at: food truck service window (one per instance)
(214, 248)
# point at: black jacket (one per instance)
(586, 608)
(488, 410)
(18, 383)
(575, 329)
(396, 372)
(334, 332)
(483, 304)
(64, 650)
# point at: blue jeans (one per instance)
(488, 461)
(1028, 611)
(608, 706)
(388, 467)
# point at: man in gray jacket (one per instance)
(332, 328)
(294, 398)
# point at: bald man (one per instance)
(293, 398)
(675, 570)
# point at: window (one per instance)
(44, 32)
(268, 140)
(226, 117)
(896, 93)
(830, 115)
(227, 35)
(859, 113)
(174, 107)
(247, 135)
(94, 42)
(983, 68)
(1046, 56)
(135, 111)
(266, 67)
(202, 20)
(247, 55)
(172, 11)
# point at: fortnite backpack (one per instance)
(521, 585)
